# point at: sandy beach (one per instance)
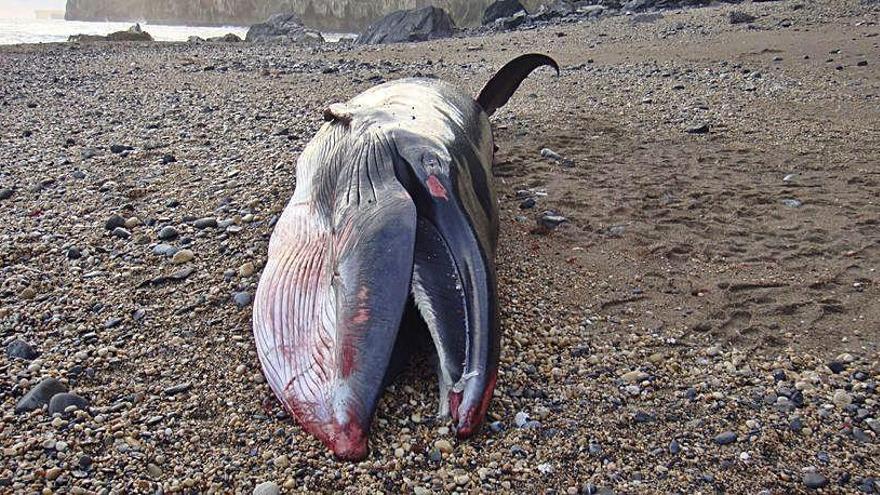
(706, 321)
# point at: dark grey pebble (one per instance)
(177, 389)
(701, 128)
(814, 480)
(796, 424)
(20, 349)
(5, 193)
(120, 148)
(121, 233)
(837, 367)
(206, 223)
(166, 159)
(79, 174)
(674, 447)
(62, 401)
(74, 253)
(242, 299)
(40, 395)
(164, 250)
(114, 222)
(168, 233)
(528, 204)
(112, 322)
(550, 220)
(725, 438)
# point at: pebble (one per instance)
(164, 250)
(700, 128)
(550, 220)
(792, 203)
(176, 389)
(814, 480)
(443, 446)
(242, 299)
(634, 376)
(281, 461)
(114, 222)
(246, 270)
(726, 437)
(841, 399)
(5, 193)
(206, 223)
(60, 402)
(168, 233)
(267, 488)
(121, 233)
(40, 395)
(182, 256)
(20, 349)
(154, 471)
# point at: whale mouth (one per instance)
(338, 278)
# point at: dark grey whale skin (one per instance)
(393, 200)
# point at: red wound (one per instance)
(436, 188)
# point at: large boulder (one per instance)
(284, 27)
(134, 33)
(424, 24)
(500, 9)
(226, 38)
(553, 9)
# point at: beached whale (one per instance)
(393, 200)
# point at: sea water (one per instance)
(15, 31)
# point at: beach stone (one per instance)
(60, 402)
(134, 33)
(443, 446)
(634, 376)
(242, 299)
(698, 128)
(40, 395)
(500, 9)
(550, 220)
(119, 148)
(121, 233)
(739, 17)
(246, 270)
(814, 480)
(168, 233)
(182, 256)
(5, 193)
(20, 349)
(114, 222)
(267, 488)
(423, 24)
(285, 27)
(842, 399)
(164, 250)
(726, 437)
(206, 223)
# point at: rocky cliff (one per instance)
(327, 15)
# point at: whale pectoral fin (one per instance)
(505, 82)
(439, 297)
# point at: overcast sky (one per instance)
(25, 8)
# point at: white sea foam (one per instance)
(15, 31)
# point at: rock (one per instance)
(242, 299)
(512, 22)
(182, 256)
(119, 148)
(168, 233)
(674, 447)
(5, 193)
(226, 38)
(837, 367)
(528, 204)
(550, 220)
(283, 27)
(634, 376)
(792, 203)
(246, 270)
(113, 222)
(814, 480)
(177, 389)
(60, 402)
(521, 419)
(153, 470)
(699, 128)
(726, 437)
(500, 9)
(842, 399)
(267, 488)
(423, 24)
(443, 446)
(19, 349)
(134, 33)
(121, 233)
(738, 17)
(40, 395)
(27, 293)
(206, 223)
(553, 9)
(168, 158)
(164, 250)
(195, 39)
